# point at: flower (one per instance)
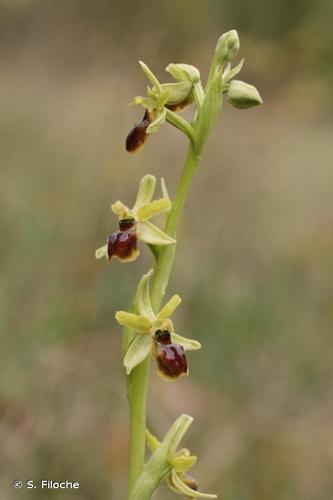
(155, 335)
(180, 462)
(161, 102)
(134, 224)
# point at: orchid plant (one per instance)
(149, 332)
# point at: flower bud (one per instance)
(184, 72)
(227, 47)
(232, 43)
(138, 135)
(243, 95)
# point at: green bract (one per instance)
(143, 210)
(146, 323)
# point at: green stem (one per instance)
(138, 380)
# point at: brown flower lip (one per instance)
(170, 356)
(123, 244)
(138, 135)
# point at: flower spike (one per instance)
(155, 335)
(135, 225)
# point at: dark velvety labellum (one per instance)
(171, 359)
(163, 337)
(137, 136)
(122, 244)
(126, 224)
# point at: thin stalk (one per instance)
(138, 380)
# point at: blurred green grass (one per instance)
(254, 263)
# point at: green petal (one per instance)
(182, 463)
(150, 75)
(136, 322)
(145, 192)
(152, 209)
(146, 102)
(157, 123)
(143, 297)
(169, 308)
(138, 351)
(185, 490)
(153, 235)
(102, 252)
(152, 442)
(188, 344)
(119, 209)
(164, 190)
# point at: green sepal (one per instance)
(101, 252)
(184, 72)
(152, 209)
(185, 490)
(188, 344)
(145, 192)
(169, 308)
(143, 297)
(151, 234)
(157, 123)
(136, 322)
(138, 350)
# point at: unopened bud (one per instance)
(243, 95)
(227, 47)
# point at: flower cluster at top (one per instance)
(164, 100)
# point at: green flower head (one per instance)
(155, 335)
(135, 225)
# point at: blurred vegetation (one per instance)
(254, 264)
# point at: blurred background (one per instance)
(254, 264)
